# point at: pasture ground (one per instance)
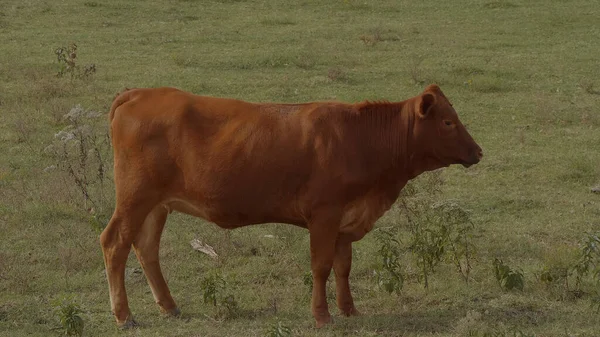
(523, 76)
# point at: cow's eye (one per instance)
(448, 122)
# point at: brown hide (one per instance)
(331, 167)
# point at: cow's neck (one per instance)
(385, 138)
(390, 145)
(414, 158)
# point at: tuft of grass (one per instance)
(580, 171)
(278, 21)
(467, 71)
(488, 85)
(3, 22)
(416, 72)
(336, 74)
(499, 5)
(377, 35)
(589, 87)
(370, 39)
(185, 61)
(305, 61)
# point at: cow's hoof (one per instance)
(350, 312)
(175, 312)
(129, 323)
(322, 321)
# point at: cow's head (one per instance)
(439, 133)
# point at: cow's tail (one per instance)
(119, 99)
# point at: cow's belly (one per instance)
(188, 207)
(231, 217)
(360, 216)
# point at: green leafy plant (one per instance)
(589, 259)
(278, 330)
(511, 333)
(307, 280)
(439, 231)
(508, 278)
(427, 245)
(214, 292)
(574, 270)
(71, 322)
(212, 286)
(389, 277)
(66, 58)
(588, 264)
(456, 227)
(555, 275)
(595, 302)
(229, 307)
(425, 242)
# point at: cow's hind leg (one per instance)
(146, 246)
(116, 240)
(341, 266)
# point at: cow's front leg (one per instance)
(341, 266)
(322, 251)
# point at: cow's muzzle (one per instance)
(474, 157)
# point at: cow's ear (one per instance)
(433, 88)
(426, 103)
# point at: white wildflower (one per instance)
(49, 148)
(64, 136)
(93, 114)
(76, 112)
(83, 130)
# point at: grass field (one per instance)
(523, 75)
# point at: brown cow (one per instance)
(333, 168)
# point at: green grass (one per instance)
(523, 76)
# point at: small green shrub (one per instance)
(512, 333)
(229, 307)
(212, 286)
(214, 290)
(439, 231)
(555, 275)
(389, 277)
(596, 302)
(428, 247)
(66, 56)
(575, 269)
(278, 330)
(589, 259)
(71, 322)
(307, 279)
(508, 278)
